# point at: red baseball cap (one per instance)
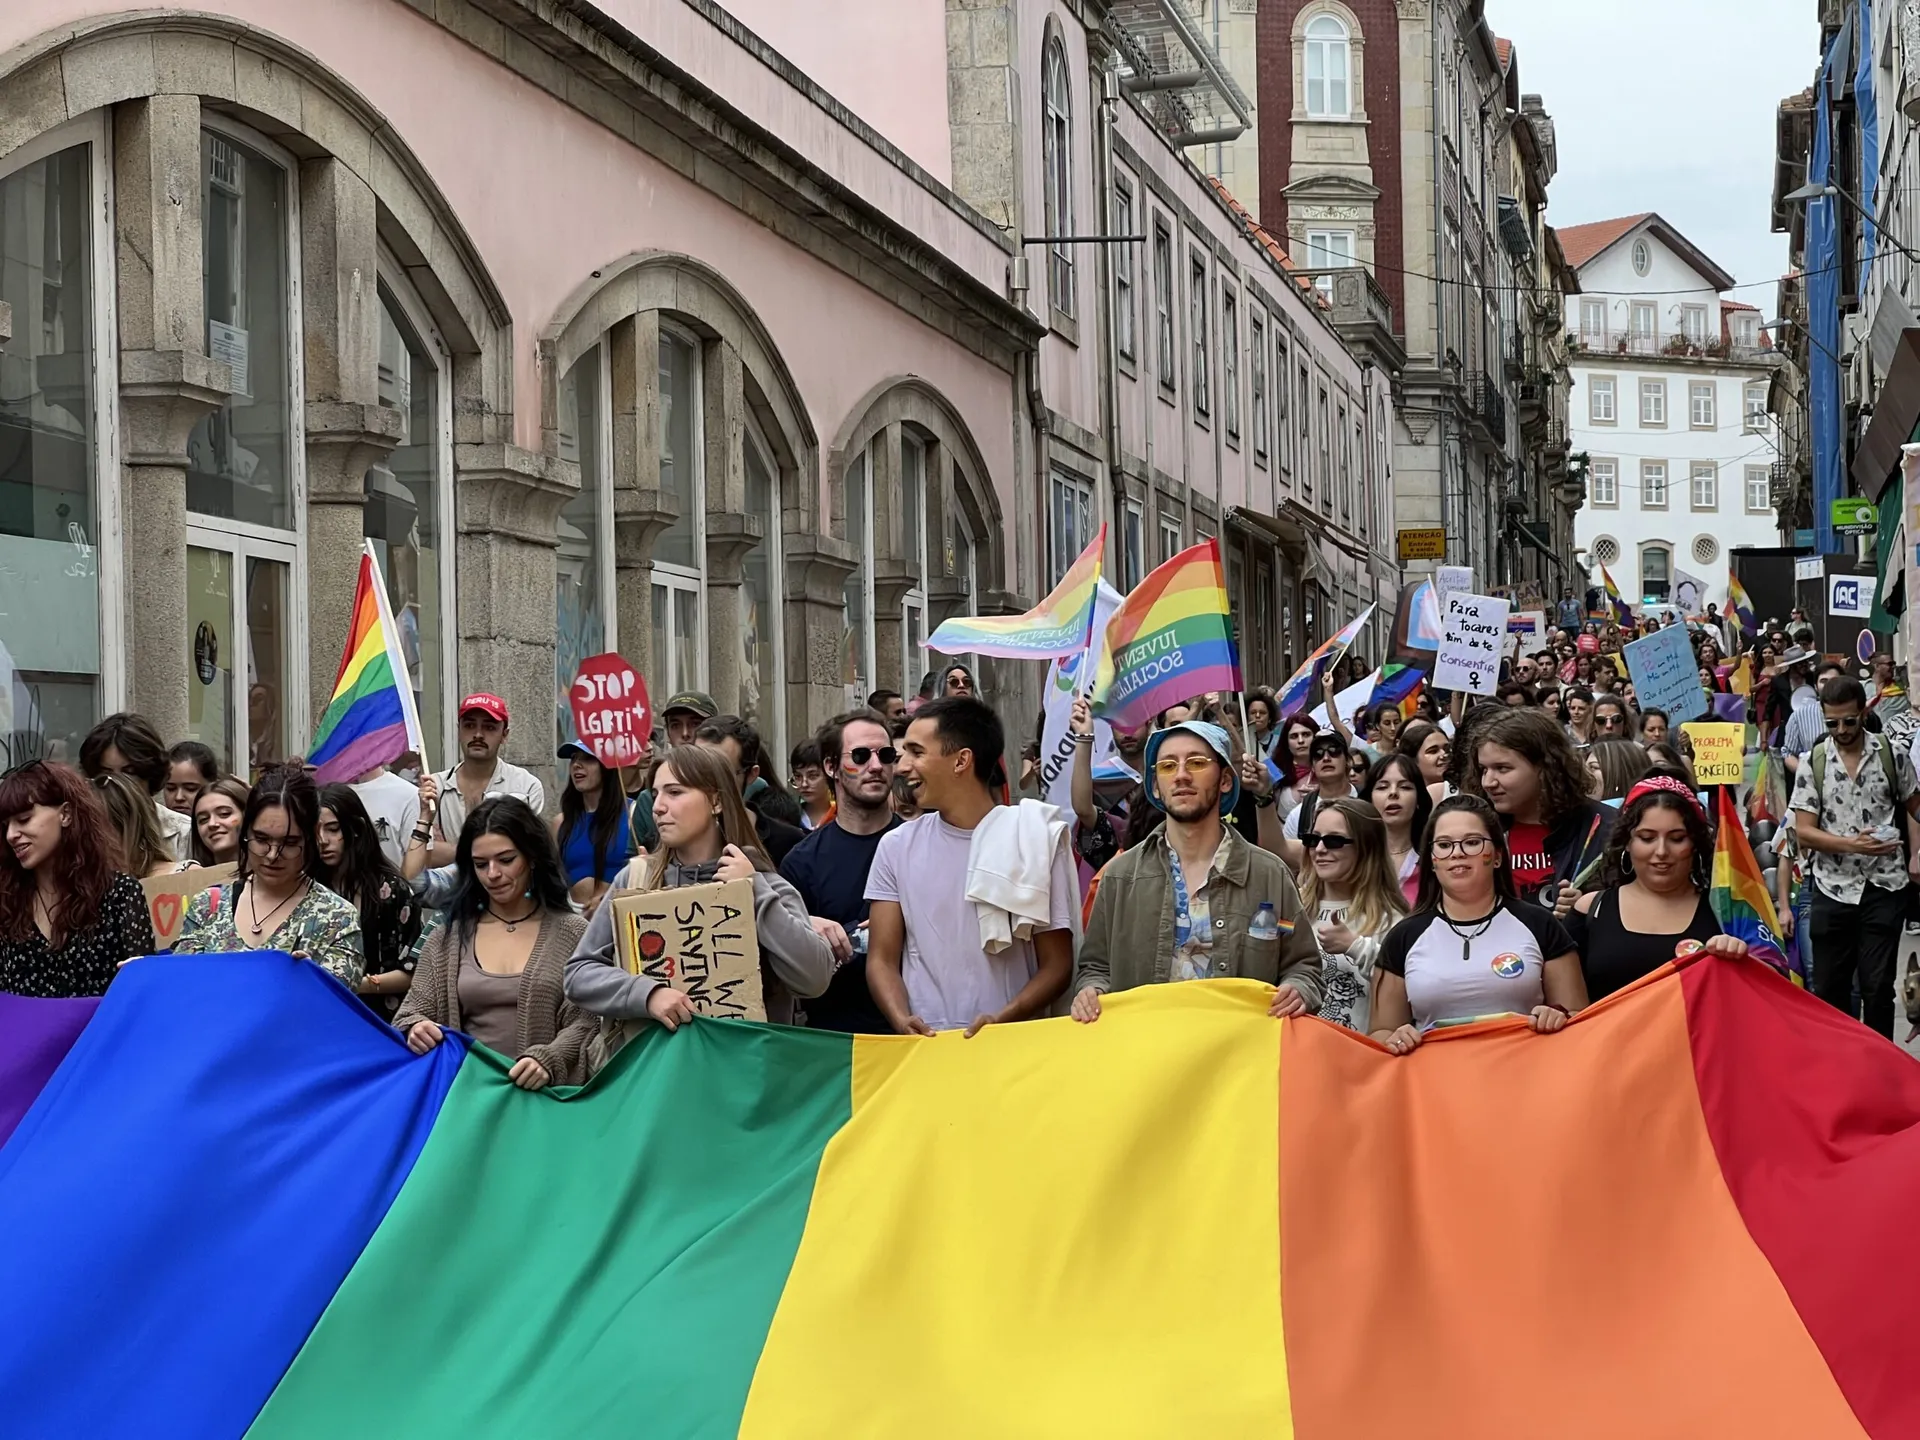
(486, 704)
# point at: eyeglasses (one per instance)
(1843, 722)
(861, 754)
(268, 846)
(1330, 842)
(1613, 722)
(1184, 764)
(1465, 845)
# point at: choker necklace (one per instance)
(513, 925)
(1468, 935)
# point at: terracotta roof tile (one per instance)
(1266, 240)
(1582, 242)
(1504, 49)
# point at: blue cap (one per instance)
(570, 749)
(1217, 740)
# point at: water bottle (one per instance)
(1266, 924)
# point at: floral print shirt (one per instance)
(1850, 806)
(321, 926)
(391, 934)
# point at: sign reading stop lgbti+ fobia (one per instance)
(611, 713)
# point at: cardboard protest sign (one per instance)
(700, 939)
(1451, 579)
(1473, 632)
(1665, 675)
(611, 714)
(168, 897)
(1719, 752)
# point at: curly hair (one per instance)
(1536, 739)
(1615, 863)
(88, 859)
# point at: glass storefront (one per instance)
(761, 700)
(579, 574)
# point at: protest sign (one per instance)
(1451, 579)
(168, 897)
(1473, 630)
(1719, 751)
(611, 714)
(1664, 674)
(700, 939)
(1526, 632)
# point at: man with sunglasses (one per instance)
(829, 867)
(1848, 804)
(1195, 901)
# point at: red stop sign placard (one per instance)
(611, 714)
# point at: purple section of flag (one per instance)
(35, 1036)
(383, 746)
(1730, 707)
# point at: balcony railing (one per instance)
(1674, 343)
(1488, 404)
(1353, 296)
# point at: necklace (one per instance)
(514, 924)
(1468, 936)
(253, 904)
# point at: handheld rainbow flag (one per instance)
(1060, 625)
(1741, 604)
(1401, 684)
(1416, 626)
(1302, 690)
(1739, 895)
(370, 719)
(1614, 599)
(1169, 641)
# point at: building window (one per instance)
(1700, 406)
(1230, 362)
(1604, 483)
(583, 564)
(857, 669)
(1282, 437)
(1169, 538)
(1653, 402)
(1071, 530)
(1642, 327)
(1133, 544)
(1257, 377)
(409, 514)
(242, 462)
(1746, 330)
(52, 229)
(913, 548)
(762, 669)
(1704, 481)
(1693, 323)
(1324, 471)
(1057, 136)
(1600, 400)
(1197, 324)
(1163, 298)
(1754, 406)
(1303, 453)
(1593, 323)
(1642, 257)
(1346, 463)
(1328, 250)
(679, 572)
(1656, 572)
(1328, 69)
(1653, 484)
(1759, 493)
(1123, 260)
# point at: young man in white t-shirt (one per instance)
(926, 965)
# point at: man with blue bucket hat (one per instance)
(1195, 901)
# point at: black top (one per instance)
(829, 869)
(777, 837)
(390, 934)
(87, 963)
(1613, 957)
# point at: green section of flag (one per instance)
(377, 676)
(600, 1261)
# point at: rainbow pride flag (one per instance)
(370, 718)
(1739, 894)
(1059, 625)
(1741, 604)
(1302, 690)
(1615, 601)
(1169, 641)
(749, 1230)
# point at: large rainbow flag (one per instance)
(1170, 640)
(1060, 625)
(370, 719)
(1615, 601)
(1302, 689)
(1739, 895)
(1741, 604)
(1184, 1220)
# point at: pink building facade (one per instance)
(660, 327)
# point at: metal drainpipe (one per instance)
(1110, 388)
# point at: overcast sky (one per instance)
(1668, 105)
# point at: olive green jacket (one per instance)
(1129, 940)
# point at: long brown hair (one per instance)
(234, 789)
(1537, 739)
(1377, 904)
(130, 811)
(712, 774)
(89, 855)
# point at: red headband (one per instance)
(1664, 785)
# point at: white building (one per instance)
(1669, 405)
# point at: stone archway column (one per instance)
(642, 511)
(816, 568)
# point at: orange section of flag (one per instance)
(1544, 1208)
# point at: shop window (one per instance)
(583, 563)
(679, 570)
(762, 687)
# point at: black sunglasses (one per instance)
(1331, 842)
(860, 754)
(1838, 722)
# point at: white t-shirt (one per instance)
(394, 807)
(950, 979)
(1291, 827)
(1465, 974)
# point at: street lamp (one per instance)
(1811, 191)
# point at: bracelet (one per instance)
(1082, 739)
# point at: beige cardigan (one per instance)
(548, 1027)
